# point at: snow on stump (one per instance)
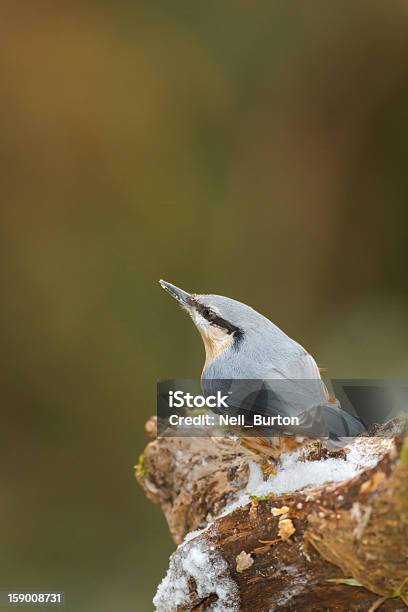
(326, 533)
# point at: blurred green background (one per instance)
(252, 149)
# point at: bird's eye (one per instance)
(208, 314)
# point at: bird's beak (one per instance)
(184, 298)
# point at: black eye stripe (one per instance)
(215, 319)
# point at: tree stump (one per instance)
(336, 546)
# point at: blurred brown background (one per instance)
(252, 149)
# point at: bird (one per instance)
(243, 345)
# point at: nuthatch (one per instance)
(240, 343)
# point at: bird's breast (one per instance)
(216, 343)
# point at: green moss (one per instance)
(349, 581)
(141, 467)
(402, 591)
(259, 498)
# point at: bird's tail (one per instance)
(329, 421)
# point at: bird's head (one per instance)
(221, 321)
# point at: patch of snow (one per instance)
(294, 474)
(295, 586)
(287, 595)
(193, 534)
(241, 501)
(209, 570)
(256, 476)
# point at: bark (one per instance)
(290, 551)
